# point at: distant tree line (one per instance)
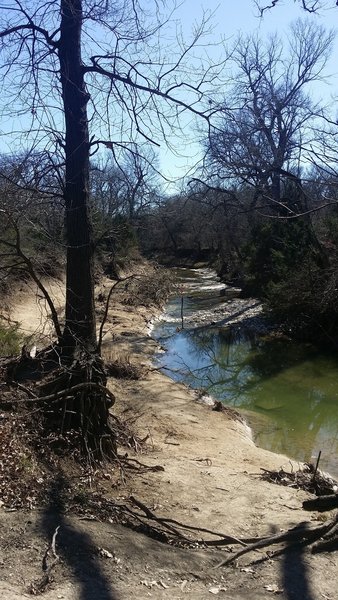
(264, 207)
(31, 213)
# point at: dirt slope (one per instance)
(210, 479)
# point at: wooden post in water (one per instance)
(182, 303)
(317, 464)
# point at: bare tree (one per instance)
(266, 123)
(309, 6)
(126, 188)
(68, 64)
(30, 207)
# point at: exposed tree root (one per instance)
(169, 524)
(300, 534)
(82, 404)
(71, 393)
(167, 530)
(323, 537)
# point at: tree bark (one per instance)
(80, 328)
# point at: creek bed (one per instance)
(287, 391)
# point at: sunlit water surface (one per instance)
(288, 391)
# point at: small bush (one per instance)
(10, 340)
(122, 368)
(307, 303)
(152, 289)
(277, 249)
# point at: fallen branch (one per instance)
(299, 534)
(308, 478)
(328, 542)
(150, 515)
(40, 586)
(135, 464)
(225, 539)
(106, 310)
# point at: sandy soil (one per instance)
(210, 479)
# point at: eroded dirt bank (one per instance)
(209, 478)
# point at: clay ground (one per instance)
(210, 478)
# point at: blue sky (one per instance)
(230, 18)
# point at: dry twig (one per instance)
(38, 587)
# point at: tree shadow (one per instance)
(76, 548)
(295, 573)
(294, 578)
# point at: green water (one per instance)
(288, 391)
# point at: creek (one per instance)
(287, 391)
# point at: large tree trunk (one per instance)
(80, 311)
(84, 402)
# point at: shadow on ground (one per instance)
(295, 572)
(76, 549)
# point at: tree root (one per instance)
(176, 533)
(167, 530)
(71, 397)
(301, 534)
(68, 392)
(174, 527)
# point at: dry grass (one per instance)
(123, 368)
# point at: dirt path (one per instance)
(210, 479)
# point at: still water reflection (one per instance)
(288, 391)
